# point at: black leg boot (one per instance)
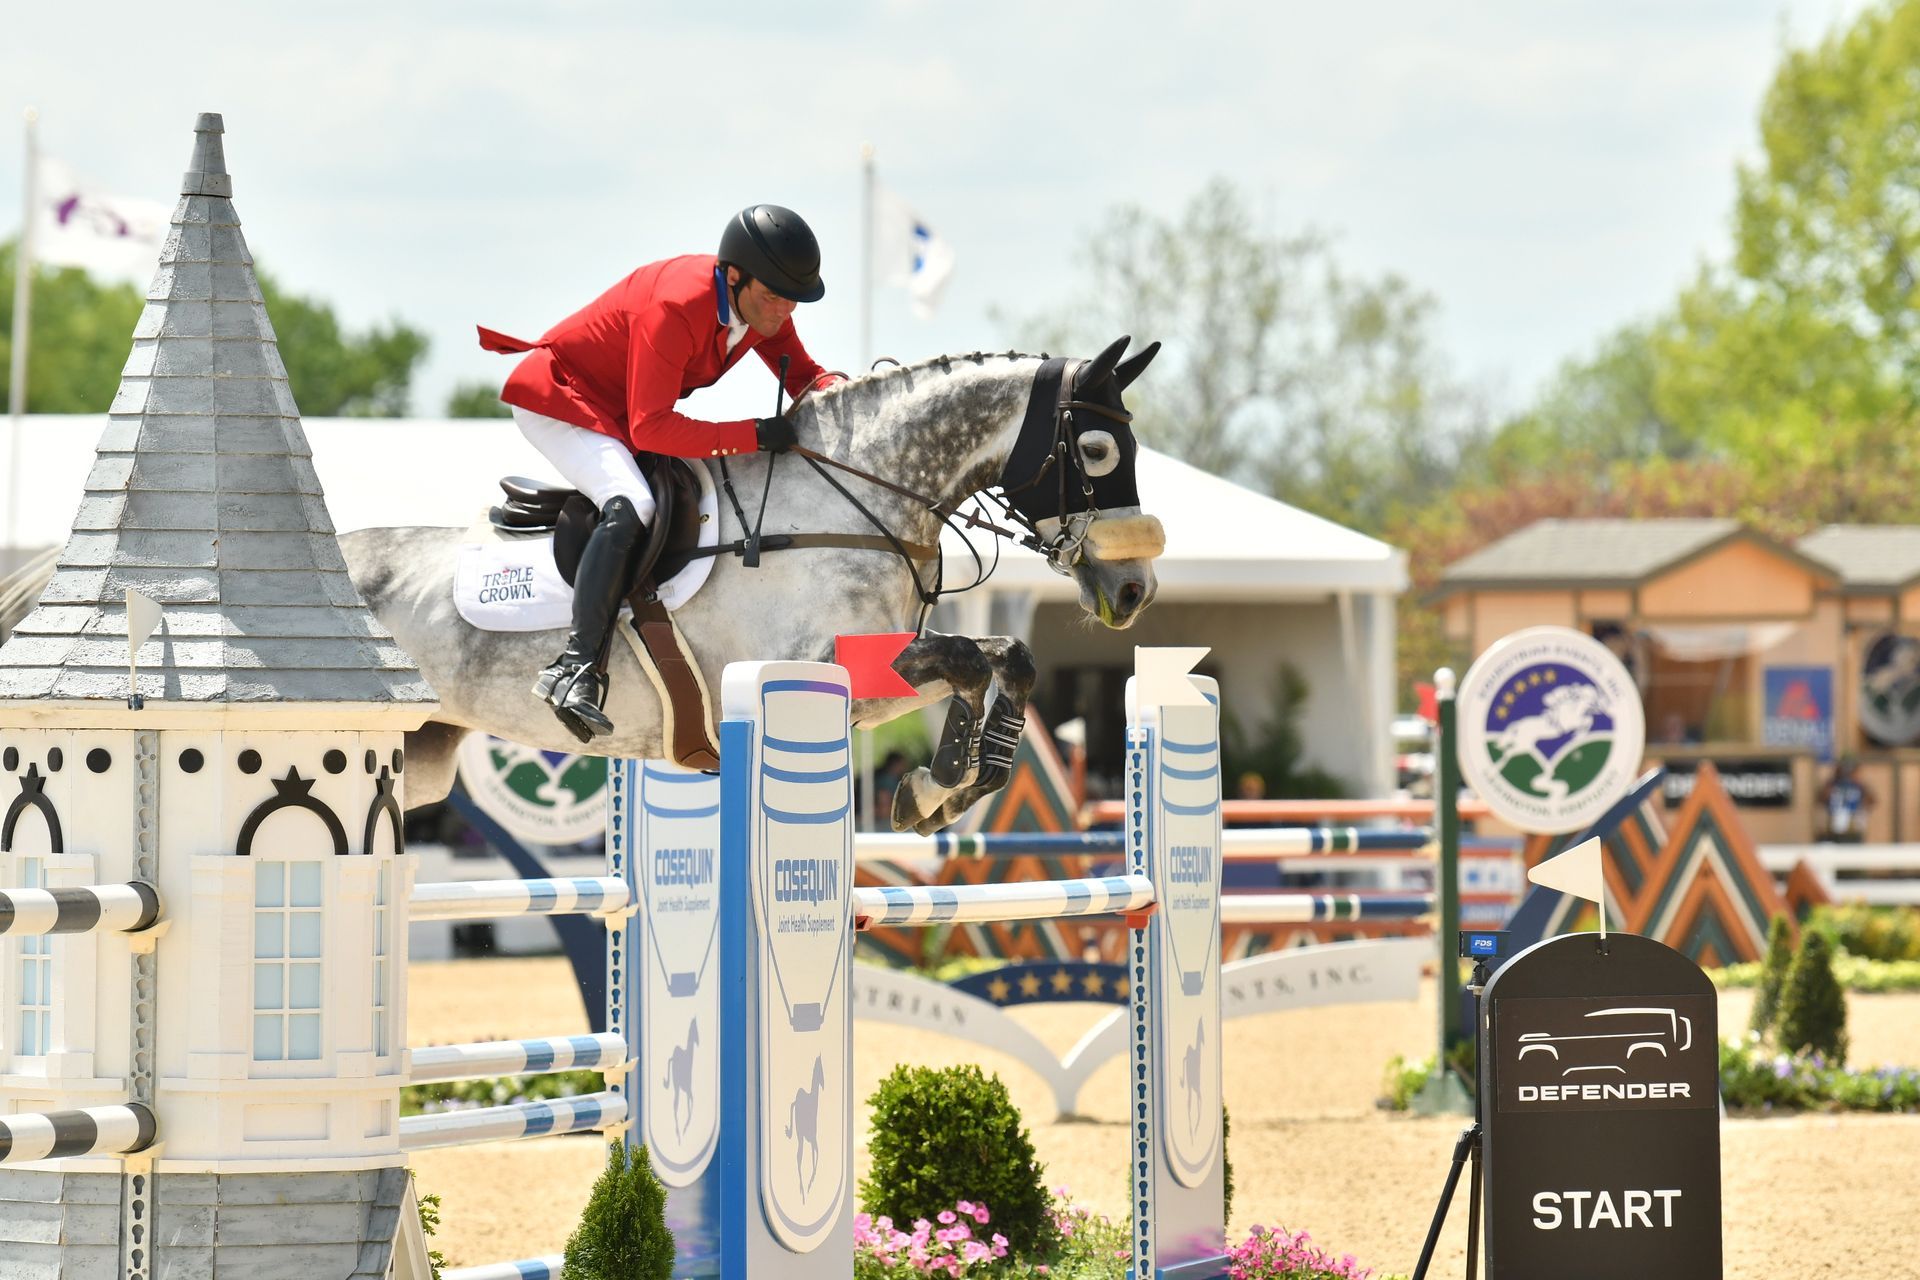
(576, 683)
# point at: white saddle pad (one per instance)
(510, 584)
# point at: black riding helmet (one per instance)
(776, 247)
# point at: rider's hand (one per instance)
(776, 435)
(828, 379)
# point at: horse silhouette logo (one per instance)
(1190, 1075)
(1890, 689)
(1551, 728)
(803, 1117)
(680, 1076)
(1567, 712)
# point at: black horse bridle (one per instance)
(1046, 444)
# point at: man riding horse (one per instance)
(600, 387)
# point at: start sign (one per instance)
(1599, 1081)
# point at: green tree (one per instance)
(476, 400)
(1599, 410)
(623, 1231)
(1813, 1008)
(335, 374)
(82, 330)
(1773, 976)
(1812, 328)
(1281, 370)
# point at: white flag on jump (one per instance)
(78, 225)
(907, 252)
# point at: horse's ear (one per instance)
(1136, 364)
(1100, 368)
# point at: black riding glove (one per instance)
(776, 435)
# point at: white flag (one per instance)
(78, 225)
(907, 252)
(1577, 871)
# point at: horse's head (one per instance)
(1071, 474)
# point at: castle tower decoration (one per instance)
(233, 1064)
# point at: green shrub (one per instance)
(1854, 974)
(429, 1207)
(1871, 932)
(1403, 1080)
(944, 1135)
(1226, 1167)
(1813, 1008)
(1752, 1079)
(1773, 974)
(623, 1231)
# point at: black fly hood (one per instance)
(1075, 459)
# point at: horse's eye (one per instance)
(1099, 454)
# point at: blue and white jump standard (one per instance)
(737, 966)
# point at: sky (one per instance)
(1547, 172)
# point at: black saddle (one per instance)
(533, 508)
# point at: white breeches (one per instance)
(598, 466)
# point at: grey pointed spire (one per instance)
(203, 496)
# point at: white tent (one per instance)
(1258, 580)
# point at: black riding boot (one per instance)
(576, 683)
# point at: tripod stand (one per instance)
(1466, 1152)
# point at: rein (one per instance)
(1059, 457)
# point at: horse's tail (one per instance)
(793, 1115)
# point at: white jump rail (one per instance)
(1306, 908)
(434, 1064)
(582, 1114)
(979, 903)
(547, 1268)
(100, 908)
(86, 1131)
(483, 899)
(1829, 861)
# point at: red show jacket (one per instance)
(620, 364)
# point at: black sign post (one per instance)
(1599, 1093)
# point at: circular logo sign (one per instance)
(543, 797)
(1890, 690)
(1550, 729)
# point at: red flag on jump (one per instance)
(869, 663)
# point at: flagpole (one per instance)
(22, 327)
(866, 256)
(866, 363)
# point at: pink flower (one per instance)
(947, 1217)
(980, 1214)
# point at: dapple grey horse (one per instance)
(1053, 436)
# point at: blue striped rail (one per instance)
(583, 1114)
(478, 1061)
(1238, 843)
(547, 1268)
(979, 903)
(1303, 908)
(484, 899)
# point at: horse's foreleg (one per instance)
(1014, 673)
(937, 666)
